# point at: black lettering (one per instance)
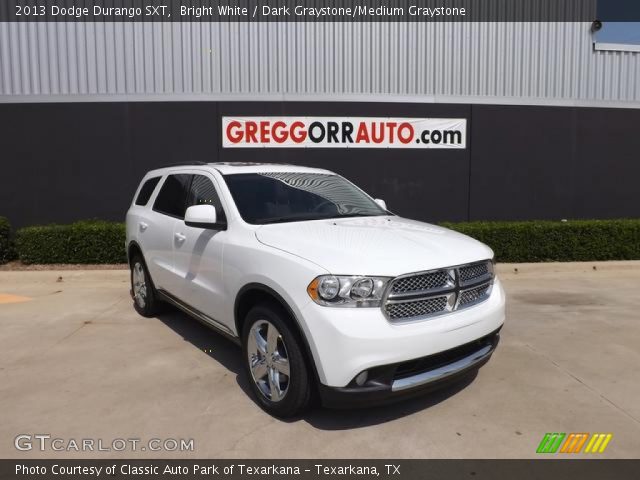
(312, 137)
(347, 130)
(332, 132)
(453, 136)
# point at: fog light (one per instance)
(362, 378)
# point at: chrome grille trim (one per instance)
(421, 295)
(472, 296)
(475, 272)
(424, 282)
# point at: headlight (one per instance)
(347, 291)
(328, 288)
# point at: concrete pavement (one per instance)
(77, 362)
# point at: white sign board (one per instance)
(343, 132)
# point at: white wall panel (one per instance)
(477, 62)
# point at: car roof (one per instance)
(230, 168)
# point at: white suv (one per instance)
(328, 292)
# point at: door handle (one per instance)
(143, 226)
(180, 237)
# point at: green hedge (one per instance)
(536, 241)
(80, 242)
(7, 251)
(547, 241)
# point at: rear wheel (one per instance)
(274, 362)
(145, 299)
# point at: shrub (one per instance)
(546, 241)
(7, 251)
(81, 242)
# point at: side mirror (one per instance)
(381, 203)
(201, 216)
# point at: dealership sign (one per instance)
(343, 132)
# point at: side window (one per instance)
(146, 191)
(203, 192)
(172, 198)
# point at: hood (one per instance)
(386, 246)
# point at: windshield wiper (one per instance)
(302, 218)
(288, 218)
(347, 215)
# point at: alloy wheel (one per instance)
(139, 285)
(268, 360)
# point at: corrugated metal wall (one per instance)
(475, 62)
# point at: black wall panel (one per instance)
(606, 167)
(70, 161)
(554, 163)
(63, 162)
(521, 162)
(172, 132)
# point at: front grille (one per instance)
(474, 295)
(418, 308)
(426, 294)
(426, 281)
(472, 272)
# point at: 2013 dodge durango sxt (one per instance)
(328, 292)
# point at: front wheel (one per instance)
(274, 362)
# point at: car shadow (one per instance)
(229, 355)
(213, 344)
(348, 419)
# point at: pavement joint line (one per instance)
(87, 322)
(587, 386)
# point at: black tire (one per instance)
(297, 396)
(150, 306)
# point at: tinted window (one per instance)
(618, 30)
(172, 198)
(204, 193)
(288, 197)
(146, 191)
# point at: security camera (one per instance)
(596, 25)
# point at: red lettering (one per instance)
(298, 133)
(279, 133)
(392, 126)
(363, 133)
(234, 131)
(380, 137)
(264, 132)
(251, 128)
(409, 132)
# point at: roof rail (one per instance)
(184, 164)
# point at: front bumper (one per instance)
(346, 341)
(391, 383)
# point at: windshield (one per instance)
(277, 197)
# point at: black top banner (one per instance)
(318, 10)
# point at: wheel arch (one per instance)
(132, 249)
(255, 293)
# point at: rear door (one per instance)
(198, 252)
(168, 210)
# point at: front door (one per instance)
(198, 254)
